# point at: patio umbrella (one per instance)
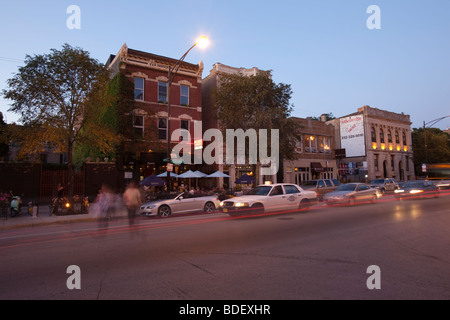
(152, 181)
(218, 174)
(201, 174)
(245, 179)
(164, 175)
(188, 175)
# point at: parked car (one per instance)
(269, 198)
(321, 186)
(418, 189)
(352, 193)
(387, 184)
(180, 203)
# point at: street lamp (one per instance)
(202, 42)
(430, 123)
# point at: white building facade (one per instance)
(377, 144)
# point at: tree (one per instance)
(58, 97)
(437, 150)
(328, 117)
(4, 148)
(256, 102)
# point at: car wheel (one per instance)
(209, 207)
(164, 211)
(374, 198)
(257, 208)
(351, 201)
(304, 205)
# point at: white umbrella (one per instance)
(201, 174)
(218, 174)
(164, 175)
(189, 174)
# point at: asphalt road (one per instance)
(322, 254)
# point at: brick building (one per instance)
(210, 121)
(382, 148)
(145, 147)
(315, 153)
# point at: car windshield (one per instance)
(165, 196)
(377, 181)
(260, 191)
(346, 187)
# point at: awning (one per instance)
(316, 167)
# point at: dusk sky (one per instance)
(323, 49)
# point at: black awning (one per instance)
(316, 167)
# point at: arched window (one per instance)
(397, 137)
(381, 135)
(373, 134)
(389, 134)
(404, 138)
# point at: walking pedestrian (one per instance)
(132, 199)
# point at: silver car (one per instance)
(351, 193)
(180, 203)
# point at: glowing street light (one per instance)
(202, 42)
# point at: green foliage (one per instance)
(256, 102)
(56, 95)
(437, 150)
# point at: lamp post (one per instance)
(202, 42)
(430, 123)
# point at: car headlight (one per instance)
(150, 206)
(221, 203)
(241, 204)
(399, 191)
(414, 191)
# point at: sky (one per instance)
(327, 50)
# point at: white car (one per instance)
(270, 198)
(180, 203)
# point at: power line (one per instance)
(6, 59)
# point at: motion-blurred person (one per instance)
(132, 199)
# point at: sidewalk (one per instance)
(44, 218)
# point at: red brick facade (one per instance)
(145, 144)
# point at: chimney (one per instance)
(323, 118)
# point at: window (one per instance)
(321, 184)
(404, 138)
(375, 161)
(397, 137)
(389, 136)
(310, 143)
(381, 135)
(327, 144)
(184, 95)
(184, 124)
(362, 188)
(329, 183)
(407, 163)
(277, 190)
(162, 92)
(321, 144)
(138, 126)
(392, 163)
(298, 145)
(162, 129)
(289, 189)
(138, 89)
(373, 134)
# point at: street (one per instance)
(324, 253)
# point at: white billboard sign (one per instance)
(352, 136)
